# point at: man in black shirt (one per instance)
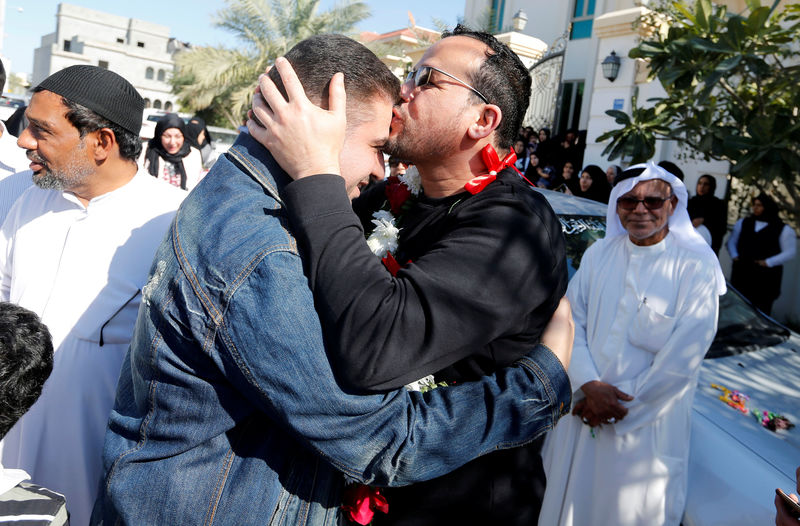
(477, 269)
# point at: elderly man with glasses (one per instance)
(471, 261)
(645, 302)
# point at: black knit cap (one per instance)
(102, 91)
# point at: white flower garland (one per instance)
(384, 236)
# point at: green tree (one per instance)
(221, 79)
(733, 89)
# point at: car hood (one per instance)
(771, 378)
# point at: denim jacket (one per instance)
(227, 410)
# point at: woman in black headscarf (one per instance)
(759, 245)
(170, 157)
(570, 178)
(545, 147)
(593, 184)
(199, 137)
(532, 172)
(707, 210)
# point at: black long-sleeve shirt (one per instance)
(481, 276)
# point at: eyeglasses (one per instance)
(422, 76)
(649, 202)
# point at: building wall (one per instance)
(547, 20)
(128, 46)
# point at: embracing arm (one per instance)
(496, 262)
(388, 439)
(385, 331)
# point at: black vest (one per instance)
(754, 245)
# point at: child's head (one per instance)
(26, 360)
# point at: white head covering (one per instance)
(680, 226)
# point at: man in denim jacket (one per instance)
(227, 410)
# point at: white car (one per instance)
(9, 104)
(735, 463)
(222, 139)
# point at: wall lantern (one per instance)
(519, 20)
(610, 66)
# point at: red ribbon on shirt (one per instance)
(361, 502)
(495, 165)
(391, 264)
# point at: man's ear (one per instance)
(104, 143)
(488, 120)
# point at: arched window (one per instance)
(148, 73)
(168, 106)
(148, 103)
(157, 104)
(161, 75)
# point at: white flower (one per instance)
(384, 237)
(383, 215)
(412, 180)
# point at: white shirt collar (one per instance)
(10, 478)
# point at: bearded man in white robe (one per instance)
(76, 249)
(645, 302)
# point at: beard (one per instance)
(420, 143)
(72, 174)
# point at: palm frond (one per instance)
(224, 77)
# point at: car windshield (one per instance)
(741, 327)
(11, 103)
(580, 232)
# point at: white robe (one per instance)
(644, 318)
(75, 267)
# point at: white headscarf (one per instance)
(680, 226)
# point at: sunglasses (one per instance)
(649, 202)
(422, 76)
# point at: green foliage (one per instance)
(636, 139)
(732, 92)
(222, 79)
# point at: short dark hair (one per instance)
(316, 59)
(87, 121)
(503, 79)
(2, 77)
(26, 361)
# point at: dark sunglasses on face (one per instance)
(422, 76)
(649, 202)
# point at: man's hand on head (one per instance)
(302, 137)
